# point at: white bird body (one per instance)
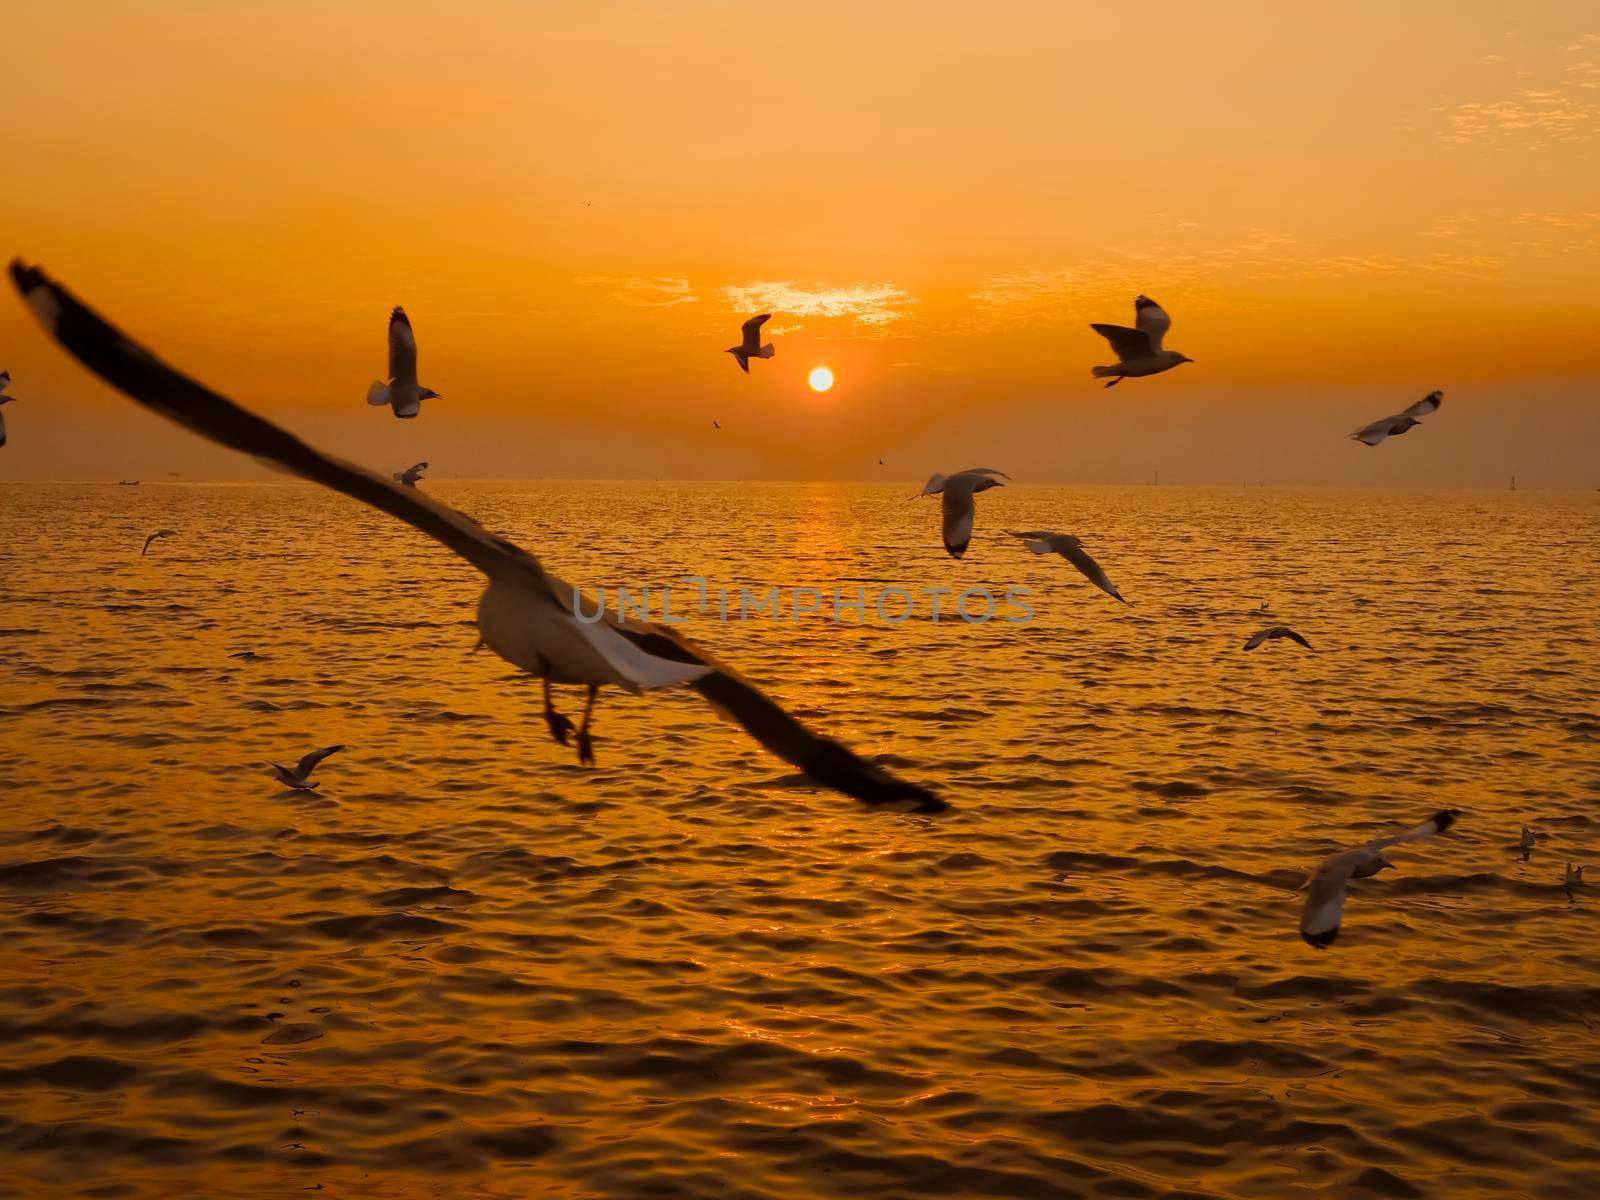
(526, 615)
(402, 393)
(1388, 427)
(1071, 549)
(532, 625)
(1138, 350)
(1319, 922)
(750, 344)
(299, 776)
(957, 505)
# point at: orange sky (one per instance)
(577, 203)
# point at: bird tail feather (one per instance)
(378, 394)
(766, 351)
(1102, 372)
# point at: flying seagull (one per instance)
(411, 474)
(1319, 924)
(525, 615)
(5, 380)
(1139, 349)
(715, 424)
(1394, 426)
(958, 490)
(299, 778)
(751, 347)
(1574, 878)
(160, 533)
(1272, 635)
(402, 393)
(1071, 549)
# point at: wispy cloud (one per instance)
(873, 304)
(1564, 110)
(654, 291)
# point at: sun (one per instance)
(821, 379)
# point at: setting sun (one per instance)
(821, 379)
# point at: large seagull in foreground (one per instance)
(525, 615)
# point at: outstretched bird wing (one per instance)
(402, 348)
(1285, 631)
(309, 763)
(1319, 920)
(132, 369)
(752, 333)
(1428, 404)
(1438, 823)
(1092, 571)
(1151, 320)
(1128, 343)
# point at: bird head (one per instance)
(1184, 358)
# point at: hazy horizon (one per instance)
(578, 208)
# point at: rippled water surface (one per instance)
(470, 967)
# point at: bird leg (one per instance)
(585, 746)
(1115, 381)
(559, 725)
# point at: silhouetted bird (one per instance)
(1139, 349)
(957, 503)
(1319, 923)
(1394, 426)
(751, 346)
(402, 393)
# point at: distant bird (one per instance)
(300, 777)
(1394, 426)
(751, 347)
(1525, 842)
(1574, 876)
(5, 379)
(411, 474)
(402, 393)
(1139, 349)
(958, 490)
(160, 533)
(880, 462)
(1265, 607)
(716, 424)
(1319, 924)
(528, 617)
(1272, 634)
(1071, 549)
(247, 655)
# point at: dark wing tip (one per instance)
(1445, 818)
(1140, 302)
(1320, 941)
